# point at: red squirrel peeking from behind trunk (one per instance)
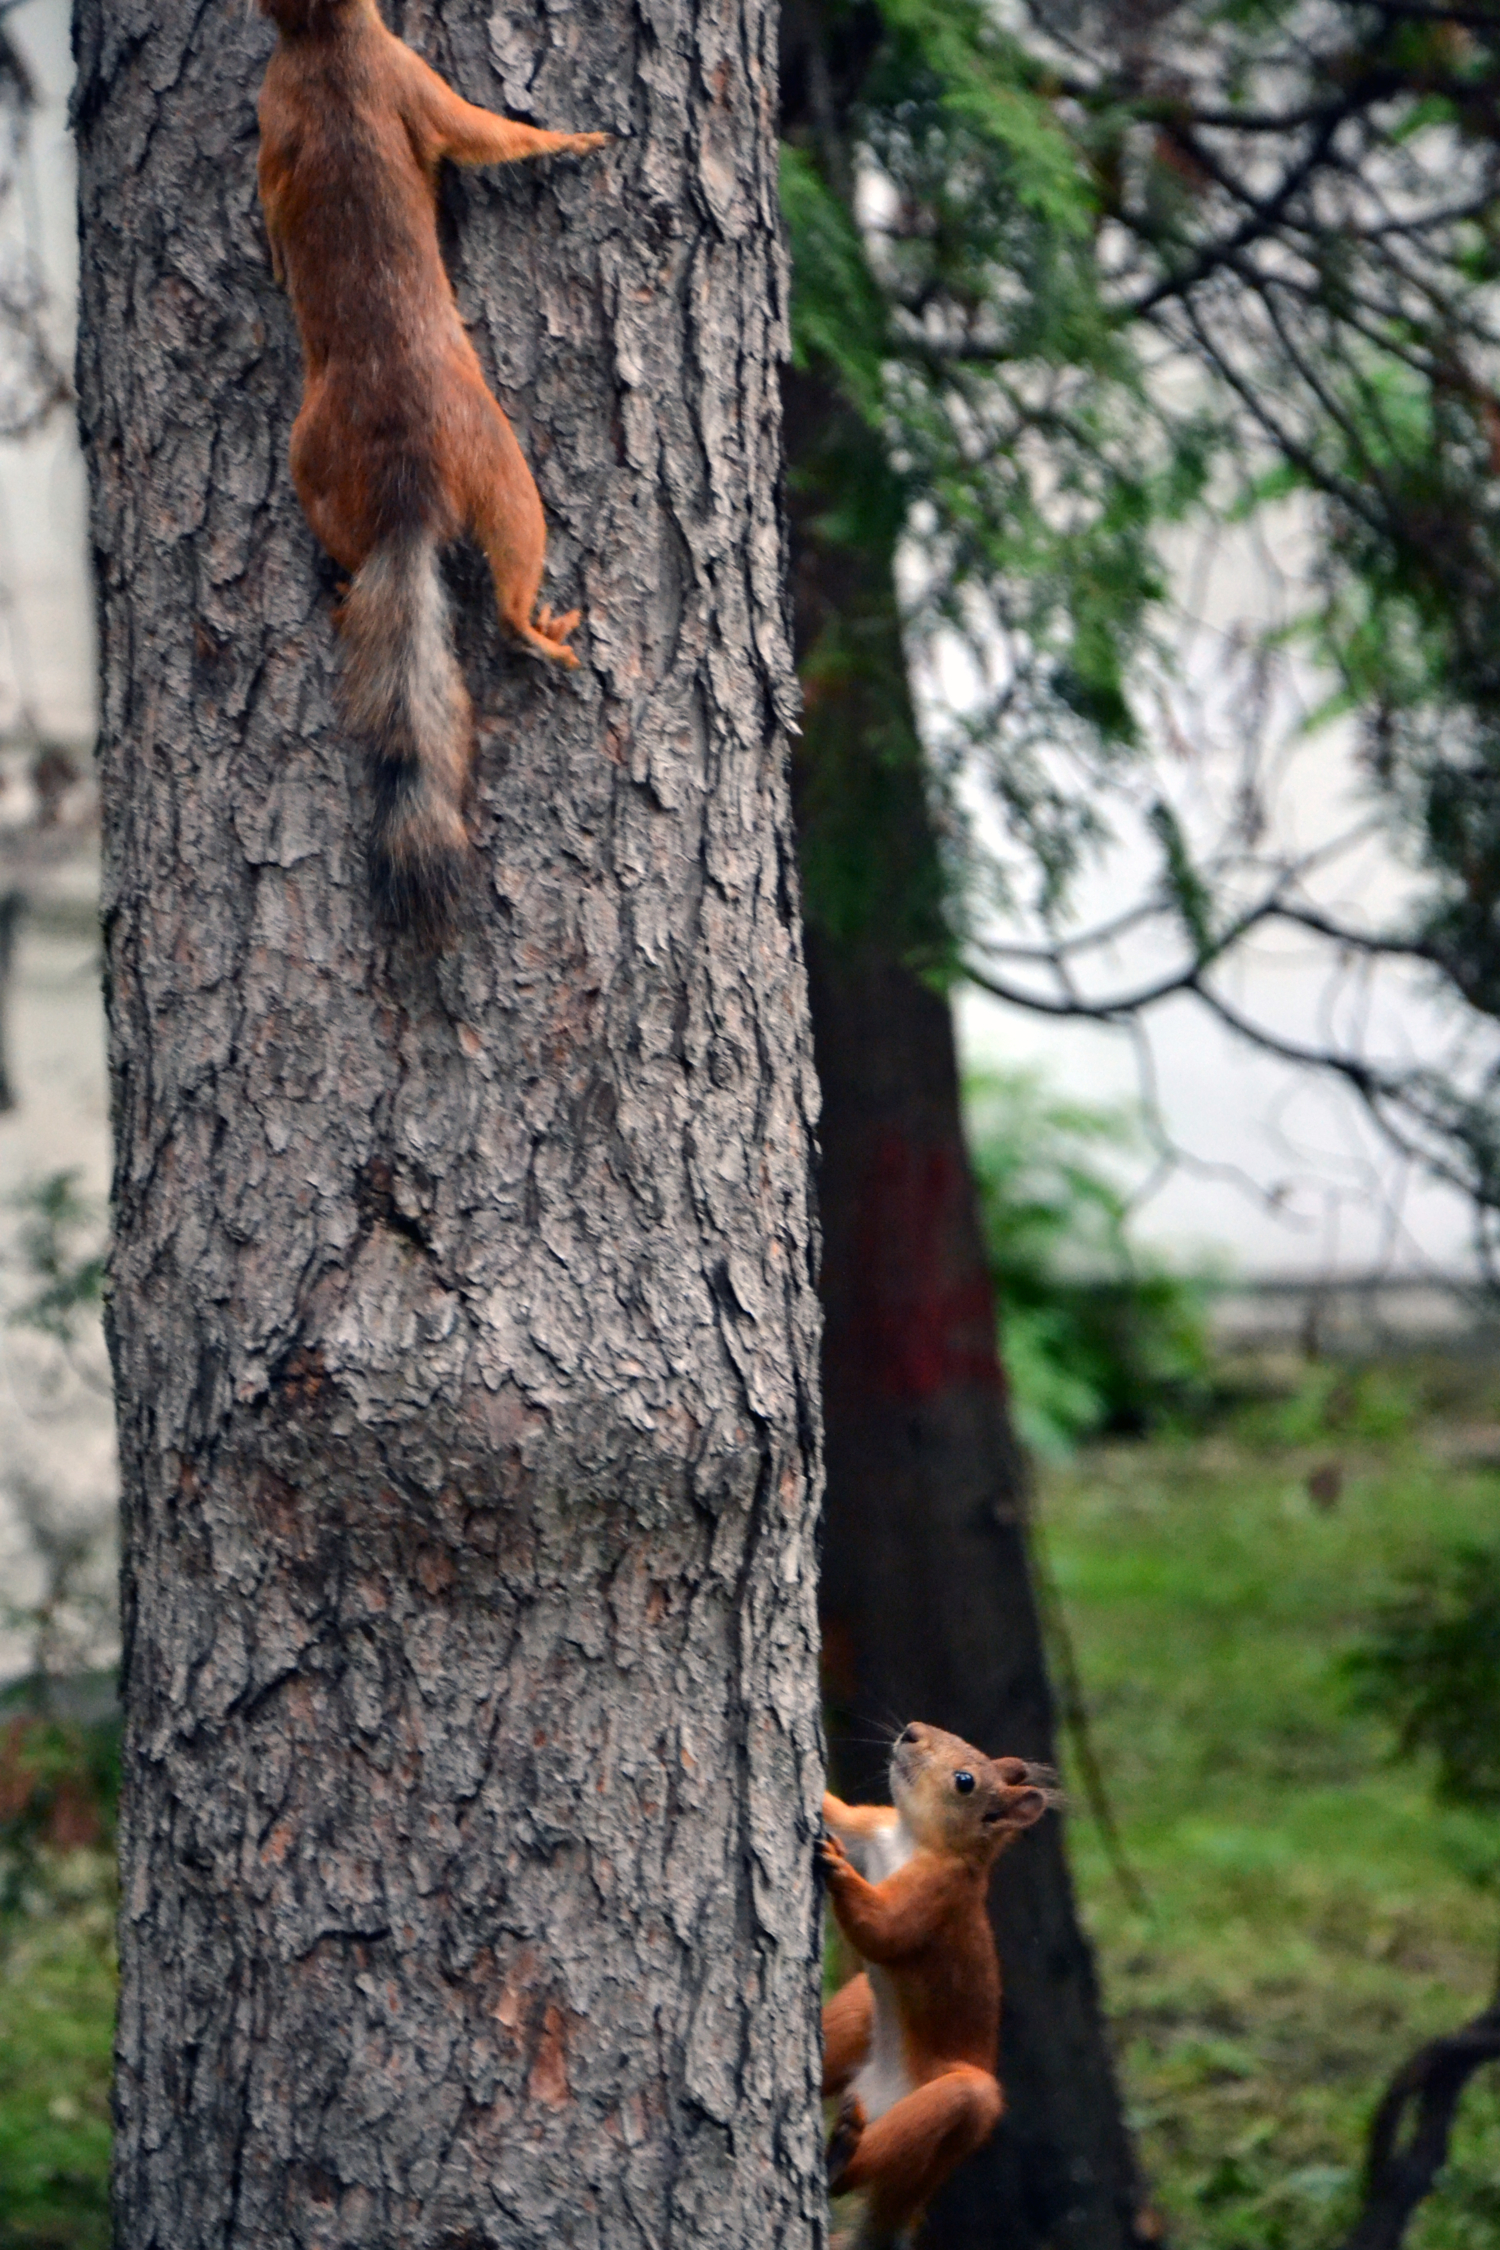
(912, 2042)
(398, 448)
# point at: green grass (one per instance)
(1310, 1916)
(57, 1996)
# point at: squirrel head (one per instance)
(955, 1799)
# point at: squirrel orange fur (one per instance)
(912, 2043)
(399, 447)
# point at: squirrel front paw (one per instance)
(836, 1861)
(848, 2130)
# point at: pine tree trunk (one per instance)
(928, 1611)
(462, 1315)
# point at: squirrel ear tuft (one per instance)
(1019, 1773)
(1025, 1807)
(1029, 1806)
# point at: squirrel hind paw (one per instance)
(557, 628)
(848, 2131)
(548, 637)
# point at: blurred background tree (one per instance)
(1065, 279)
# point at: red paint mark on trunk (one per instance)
(923, 1314)
(840, 1660)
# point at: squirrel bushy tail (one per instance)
(405, 696)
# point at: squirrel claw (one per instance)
(848, 2130)
(556, 628)
(548, 637)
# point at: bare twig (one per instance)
(10, 915)
(1073, 1710)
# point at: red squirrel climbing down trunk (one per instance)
(399, 447)
(912, 2043)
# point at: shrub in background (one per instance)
(1096, 1336)
(59, 1790)
(59, 1722)
(1431, 1668)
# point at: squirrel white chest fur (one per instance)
(884, 2078)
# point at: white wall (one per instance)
(46, 617)
(56, 1424)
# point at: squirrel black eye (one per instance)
(963, 1783)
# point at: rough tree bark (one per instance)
(927, 1604)
(462, 1315)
